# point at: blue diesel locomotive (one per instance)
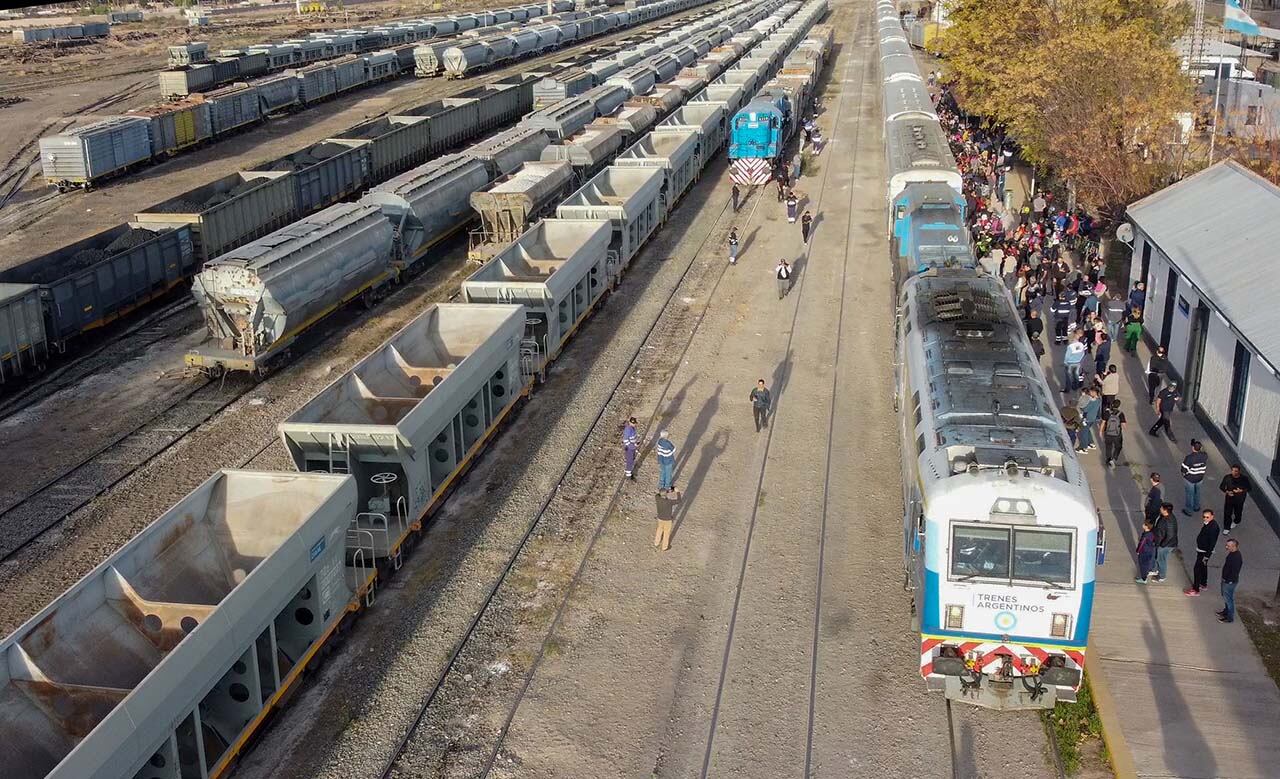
(756, 138)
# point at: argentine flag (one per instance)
(1234, 18)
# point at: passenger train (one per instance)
(1000, 533)
(166, 659)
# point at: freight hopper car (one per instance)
(259, 298)
(1001, 535)
(219, 106)
(160, 662)
(192, 68)
(101, 279)
(408, 420)
(166, 660)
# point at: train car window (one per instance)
(980, 551)
(1042, 555)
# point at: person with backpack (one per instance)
(1113, 433)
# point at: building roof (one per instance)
(1212, 49)
(1220, 228)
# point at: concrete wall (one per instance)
(1255, 446)
(1249, 108)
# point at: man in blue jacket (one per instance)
(666, 462)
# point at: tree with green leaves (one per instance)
(1090, 88)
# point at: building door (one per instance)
(1195, 355)
(1170, 298)
(1146, 264)
(1239, 391)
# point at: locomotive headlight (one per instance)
(1060, 626)
(955, 616)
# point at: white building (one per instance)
(1208, 249)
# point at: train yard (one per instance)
(520, 625)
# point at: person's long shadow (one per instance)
(700, 425)
(707, 455)
(778, 382)
(751, 237)
(664, 419)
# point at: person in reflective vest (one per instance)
(630, 443)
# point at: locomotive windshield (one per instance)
(1011, 553)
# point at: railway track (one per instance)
(109, 350)
(18, 519)
(832, 411)
(16, 170)
(661, 329)
(52, 501)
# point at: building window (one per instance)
(1239, 389)
(1275, 462)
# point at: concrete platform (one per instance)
(1192, 698)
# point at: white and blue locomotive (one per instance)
(1000, 532)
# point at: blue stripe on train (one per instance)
(931, 615)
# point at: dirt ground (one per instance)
(57, 87)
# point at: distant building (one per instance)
(1208, 248)
(1249, 109)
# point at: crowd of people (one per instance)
(1043, 253)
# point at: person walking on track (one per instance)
(793, 204)
(760, 403)
(666, 462)
(1206, 540)
(1235, 488)
(735, 194)
(783, 272)
(630, 444)
(667, 501)
(1194, 467)
(806, 227)
(733, 246)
